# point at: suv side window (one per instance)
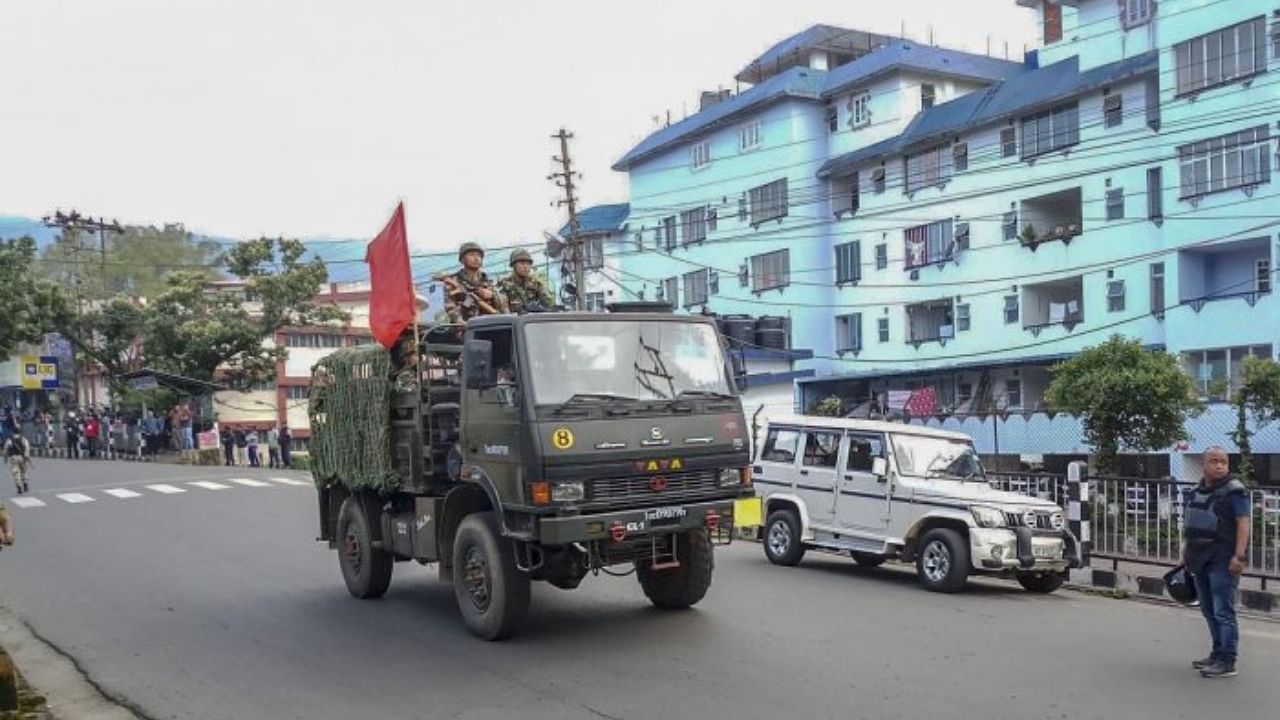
(781, 445)
(821, 449)
(862, 450)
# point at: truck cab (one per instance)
(887, 491)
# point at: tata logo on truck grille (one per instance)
(650, 466)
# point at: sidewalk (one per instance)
(15, 692)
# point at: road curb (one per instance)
(1260, 602)
(70, 694)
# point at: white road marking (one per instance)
(250, 483)
(27, 502)
(210, 485)
(74, 498)
(122, 493)
(289, 481)
(166, 489)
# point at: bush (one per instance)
(300, 462)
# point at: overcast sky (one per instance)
(249, 117)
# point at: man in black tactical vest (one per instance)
(1216, 522)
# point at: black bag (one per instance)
(1180, 586)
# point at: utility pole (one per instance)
(564, 179)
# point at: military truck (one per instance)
(537, 447)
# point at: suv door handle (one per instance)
(848, 477)
(804, 472)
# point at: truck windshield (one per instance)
(924, 456)
(645, 360)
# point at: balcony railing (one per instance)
(1251, 297)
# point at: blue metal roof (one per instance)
(1019, 94)
(904, 54)
(601, 219)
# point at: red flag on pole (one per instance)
(392, 302)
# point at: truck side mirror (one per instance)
(478, 364)
(738, 368)
(880, 468)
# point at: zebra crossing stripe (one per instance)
(122, 493)
(289, 481)
(165, 489)
(28, 502)
(210, 485)
(74, 498)
(250, 483)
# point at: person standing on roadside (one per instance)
(242, 447)
(92, 428)
(228, 446)
(1216, 524)
(251, 441)
(286, 446)
(73, 439)
(17, 452)
(273, 447)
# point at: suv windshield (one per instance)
(647, 360)
(924, 456)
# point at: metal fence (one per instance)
(1140, 520)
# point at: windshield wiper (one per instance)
(578, 398)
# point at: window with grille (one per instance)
(1013, 394)
(1115, 204)
(960, 157)
(1115, 296)
(693, 224)
(751, 136)
(695, 288)
(928, 96)
(297, 392)
(768, 202)
(1051, 130)
(1262, 282)
(312, 340)
(1157, 288)
(962, 317)
(701, 155)
(929, 168)
(860, 110)
(770, 270)
(882, 256)
(668, 233)
(882, 329)
(1113, 110)
(1008, 142)
(1235, 160)
(1136, 12)
(595, 302)
(1155, 193)
(927, 244)
(849, 332)
(1009, 225)
(670, 291)
(593, 251)
(1010, 309)
(849, 262)
(877, 180)
(1221, 57)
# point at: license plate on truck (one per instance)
(665, 515)
(748, 512)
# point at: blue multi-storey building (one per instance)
(934, 218)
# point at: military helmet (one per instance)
(468, 247)
(519, 255)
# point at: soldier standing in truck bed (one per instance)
(524, 292)
(469, 292)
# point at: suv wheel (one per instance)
(1043, 583)
(942, 561)
(782, 544)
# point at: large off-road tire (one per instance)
(1043, 583)
(867, 559)
(942, 562)
(366, 569)
(681, 587)
(782, 543)
(492, 594)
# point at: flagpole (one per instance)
(413, 290)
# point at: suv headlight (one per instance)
(572, 491)
(987, 517)
(1057, 521)
(730, 477)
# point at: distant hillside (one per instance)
(15, 227)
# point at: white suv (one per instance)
(885, 490)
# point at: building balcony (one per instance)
(1059, 303)
(1051, 217)
(1224, 272)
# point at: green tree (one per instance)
(1125, 396)
(1258, 398)
(29, 306)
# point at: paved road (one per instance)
(214, 602)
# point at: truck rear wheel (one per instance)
(681, 587)
(366, 569)
(492, 594)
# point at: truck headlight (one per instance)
(987, 517)
(572, 491)
(730, 477)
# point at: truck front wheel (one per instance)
(492, 594)
(366, 569)
(681, 587)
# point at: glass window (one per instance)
(928, 244)
(768, 202)
(1008, 142)
(1115, 204)
(1155, 198)
(833, 120)
(821, 449)
(1234, 160)
(848, 262)
(1050, 130)
(751, 136)
(962, 316)
(693, 225)
(770, 270)
(1113, 110)
(882, 329)
(928, 96)
(860, 110)
(849, 332)
(701, 155)
(695, 288)
(1013, 393)
(1010, 309)
(928, 168)
(1010, 225)
(882, 256)
(1221, 57)
(1115, 296)
(781, 445)
(862, 450)
(1157, 288)
(595, 302)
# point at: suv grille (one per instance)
(1043, 521)
(642, 488)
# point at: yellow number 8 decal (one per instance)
(562, 438)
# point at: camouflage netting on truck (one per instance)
(350, 412)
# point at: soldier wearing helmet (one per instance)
(469, 292)
(524, 292)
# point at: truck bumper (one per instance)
(641, 522)
(998, 549)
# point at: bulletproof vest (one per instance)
(13, 448)
(1204, 519)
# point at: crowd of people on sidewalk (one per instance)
(242, 446)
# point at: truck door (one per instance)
(864, 503)
(819, 481)
(492, 416)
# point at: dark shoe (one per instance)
(25, 487)
(1219, 669)
(1203, 663)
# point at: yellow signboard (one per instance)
(38, 372)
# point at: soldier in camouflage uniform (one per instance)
(524, 292)
(469, 292)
